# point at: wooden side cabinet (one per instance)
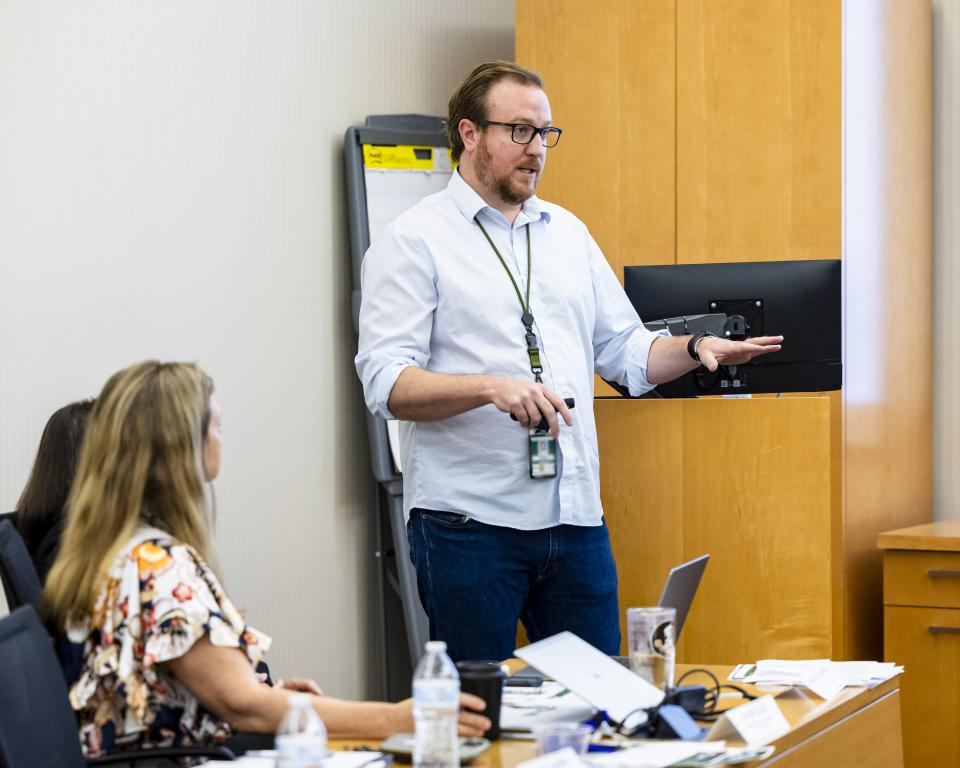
(921, 631)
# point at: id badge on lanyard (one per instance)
(542, 445)
(543, 455)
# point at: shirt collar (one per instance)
(470, 203)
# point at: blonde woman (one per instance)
(166, 658)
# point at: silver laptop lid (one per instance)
(681, 588)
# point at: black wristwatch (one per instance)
(694, 340)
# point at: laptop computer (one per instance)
(678, 592)
(597, 678)
(681, 588)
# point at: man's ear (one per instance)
(469, 134)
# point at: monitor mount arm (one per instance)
(719, 324)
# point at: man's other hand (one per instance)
(528, 400)
(714, 351)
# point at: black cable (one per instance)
(708, 715)
(645, 725)
(743, 692)
(712, 695)
(710, 712)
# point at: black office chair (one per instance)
(37, 725)
(20, 581)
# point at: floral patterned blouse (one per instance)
(159, 599)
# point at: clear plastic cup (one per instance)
(651, 641)
(555, 736)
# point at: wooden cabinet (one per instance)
(737, 130)
(746, 481)
(921, 631)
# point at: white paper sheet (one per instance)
(798, 672)
(523, 708)
(267, 758)
(562, 758)
(654, 754)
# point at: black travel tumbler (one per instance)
(484, 679)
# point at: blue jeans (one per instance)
(476, 580)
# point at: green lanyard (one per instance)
(533, 351)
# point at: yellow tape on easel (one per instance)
(407, 158)
(403, 158)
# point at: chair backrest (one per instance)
(20, 581)
(37, 725)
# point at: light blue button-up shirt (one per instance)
(435, 295)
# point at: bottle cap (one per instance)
(436, 646)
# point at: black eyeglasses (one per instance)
(523, 133)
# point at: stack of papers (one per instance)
(824, 677)
(654, 754)
(729, 756)
(267, 758)
(524, 708)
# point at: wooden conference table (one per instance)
(860, 728)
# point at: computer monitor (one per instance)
(799, 300)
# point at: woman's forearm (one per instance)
(262, 712)
(371, 719)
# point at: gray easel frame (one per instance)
(417, 130)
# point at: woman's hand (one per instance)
(469, 723)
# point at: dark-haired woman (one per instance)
(40, 512)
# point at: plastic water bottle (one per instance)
(436, 708)
(301, 740)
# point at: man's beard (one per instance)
(501, 186)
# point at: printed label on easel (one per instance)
(401, 157)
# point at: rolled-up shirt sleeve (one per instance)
(621, 342)
(397, 305)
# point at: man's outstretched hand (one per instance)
(714, 351)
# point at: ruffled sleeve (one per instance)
(181, 601)
(160, 598)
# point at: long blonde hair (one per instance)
(141, 462)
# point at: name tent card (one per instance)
(757, 722)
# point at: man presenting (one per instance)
(480, 302)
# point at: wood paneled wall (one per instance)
(888, 352)
(946, 258)
(797, 129)
(758, 130)
(608, 69)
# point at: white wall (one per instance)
(171, 186)
(946, 259)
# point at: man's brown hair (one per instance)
(469, 101)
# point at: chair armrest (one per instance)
(135, 756)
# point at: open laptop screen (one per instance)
(681, 588)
